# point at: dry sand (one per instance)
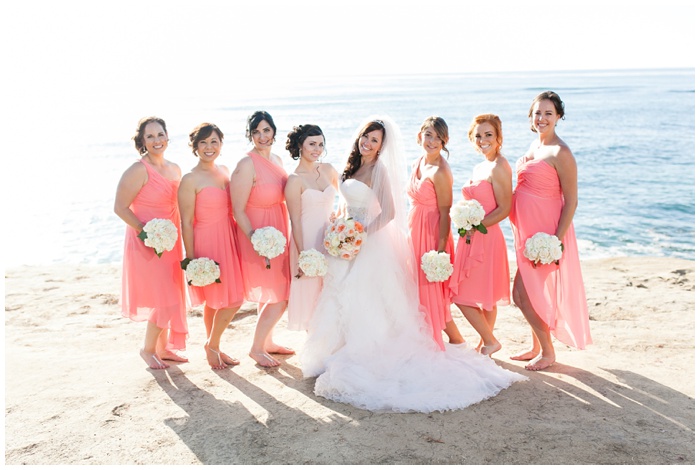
(77, 391)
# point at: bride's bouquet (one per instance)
(159, 234)
(268, 242)
(312, 263)
(344, 237)
(467, 215)
(201, 271)
(543, 248)
(436, 266)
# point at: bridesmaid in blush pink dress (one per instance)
(430, 195)
(480, 281)
(207, 232)
(153, 288)
(310, 195)
(257, 198)
(551, 297)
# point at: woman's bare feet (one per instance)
(214, 358)
(168, 355)
(489, 349)
(540, 363)
(525, 355)
(229, 360)
(263, 359)
(152, 360)
(277, 349)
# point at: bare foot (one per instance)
(229, 360)
(214, 358)
(277, 349)
(171, 356)
(263, 359)
(489, 349)
(152, 360)
(525, 355)
(540, 363)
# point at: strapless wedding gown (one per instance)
(369, 344)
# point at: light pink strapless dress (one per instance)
(265, 208)
(423, 225)
(481, 277)
(214, 239)
(556, 292)
(316, 208)
(153, 288)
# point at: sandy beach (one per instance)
(77, 392)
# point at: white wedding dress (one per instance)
(369, 344)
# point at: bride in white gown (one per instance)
(369, 343)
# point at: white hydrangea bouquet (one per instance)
(467, 215)
(344, 238)
(159, 234)
(543, 248)
(268, 242)
(436, 266)
(312, 263)
(201, 271)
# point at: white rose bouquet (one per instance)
(159, 234)
(201, 271)
(344, 238)
(312, 263)
(436, 266)
(467, 215)
(543, 248)
(268, 242)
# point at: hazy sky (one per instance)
(81, 45)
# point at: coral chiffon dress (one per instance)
(481, 276)
(153, 288)
(214, 239)
(316, 208)
(424, 230)
(265, 208)
(555, 291)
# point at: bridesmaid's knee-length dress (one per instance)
(423, 224)
(153, 288)
(481, 276)
(556, 292)
(214, 239)
(265, 208)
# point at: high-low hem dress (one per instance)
(556, 292)
(153, 288)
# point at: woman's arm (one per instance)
(186, 197)
(502, 183)
(442, 181)
(565, 164)
(292, 195)
(242, 180)
(131, 182)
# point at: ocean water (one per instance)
(632, 133)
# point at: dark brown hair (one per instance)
(141, 129)
(355, 158)
(201, 132)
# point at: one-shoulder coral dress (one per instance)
(424, 228)
(153, 288)
(556, 292)
(481, 276)
(265, 208)
(214, 239)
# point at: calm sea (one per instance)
(632, 133)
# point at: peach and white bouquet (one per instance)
(202, 272)
(312, 263)
(268, 242)
(436, 265)
(543, 248)
(344, 238)
(159, 234)
(467, 215)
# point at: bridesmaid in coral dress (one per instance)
(310, 195)
(551, 297)
(207, 232)
(257, 197)
(430, 195)
(480, 281)
(153, 288)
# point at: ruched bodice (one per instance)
(213, 206)
(481, 191)
(538, 178)
(360, 202)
